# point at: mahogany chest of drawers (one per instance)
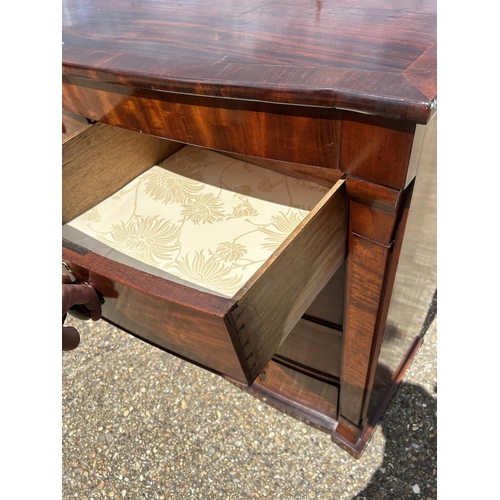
(329, 96)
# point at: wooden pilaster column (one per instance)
(375, 211)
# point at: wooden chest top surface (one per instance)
(375, 56)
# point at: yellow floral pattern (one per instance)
(167, 186)
(92, 215)
(209, 272)
(244, 209)
(205, 218)
(230, 251)
(204, 209)
(282, 225)
(149, 239)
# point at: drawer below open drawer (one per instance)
(313, 346)
(158, 289)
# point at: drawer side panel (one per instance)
(302, 266)
(99, 160)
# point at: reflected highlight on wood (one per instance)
(322, 91)
(351, 55)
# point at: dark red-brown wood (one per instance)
(376, 56)
(247, 127)
(299, 393)
(314, 89)
(313, 346)
(377, 149)
(375, 213)
(163, 309)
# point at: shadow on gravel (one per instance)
(410, 455)
(409, 424)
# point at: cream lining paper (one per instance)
(207, 219)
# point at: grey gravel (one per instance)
(139, 423)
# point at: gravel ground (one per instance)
(139, 423)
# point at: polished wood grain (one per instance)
(72, 124)
(377, 57)
(279, 293)
(100, 160)
(246, 127)
(373, 209)
(318, 90)
(387, 338)
(366, 268)
(314, 347)
(299, 393)
(370, 261)
(377, 149)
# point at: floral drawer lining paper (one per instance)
(206, 218)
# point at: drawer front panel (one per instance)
(254, 128)
(159, 312)
(301, 392)
(313, 346)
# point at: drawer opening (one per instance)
(201, 254)
(198, 218)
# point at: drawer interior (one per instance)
(198, 218)
(240, 251)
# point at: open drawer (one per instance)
(211, 258)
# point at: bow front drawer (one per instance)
(212, 258)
